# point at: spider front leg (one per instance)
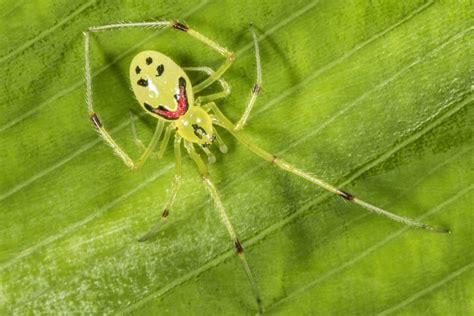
(202, 167)
(134, 165)
(207, 98)
(101, 129)
(253, 94)
(172, 195)
(256, 88)
(230, 56)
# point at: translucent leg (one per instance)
(256, 88)
(207, 98)
(152, 24)
(137, 141)
(172, 196)
(225, 219)
(221, 120)
(230, 57)
(164, 142)
(210, 156)
(222, 146)
(100, 128)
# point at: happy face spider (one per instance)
(165, 92)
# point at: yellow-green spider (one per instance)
(164, 91)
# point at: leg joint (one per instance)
(95, 120)
(346, 195)
(238, 247)
(256, 88)
(180, 26)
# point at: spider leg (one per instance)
(210, 156)
(222, 121)
(101, 129)
(230, 56)
(152, 24)
(207, 98)
(164, 142)
(222, 146)
(224, 218)
(256, 88)
(137, 141)
(172, 196)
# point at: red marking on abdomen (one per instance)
(182, 106)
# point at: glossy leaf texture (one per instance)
(374, 96)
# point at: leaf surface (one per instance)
(375, 97)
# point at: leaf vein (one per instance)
(28, 251)
(342, 58)
(45, 33)
(429, 289)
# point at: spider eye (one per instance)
(159, 70)
(142, 82)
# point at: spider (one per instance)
(164, 91)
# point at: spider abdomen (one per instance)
(161, 86)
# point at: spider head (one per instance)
(161, 87)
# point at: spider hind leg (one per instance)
(172, 195)
(219, 206)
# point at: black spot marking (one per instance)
(142, 82)
(137, 70)
(182, 82)
(180, 26)
(159, 70)
(149, 107)
(165, 214)
(199, 131)
(149, 61)
(162, 108)
(206, 144)
(346, 195)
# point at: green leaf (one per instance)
(376, 97)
